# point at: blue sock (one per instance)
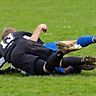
(60, 70)
(85, 40)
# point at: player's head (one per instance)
(7, 31)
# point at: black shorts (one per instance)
(30, 66)
(28, 57)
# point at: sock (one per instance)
(53, 61)
(71, 61)
(76, 69)
(85, 40)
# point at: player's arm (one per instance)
(40, 28)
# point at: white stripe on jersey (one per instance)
(2, 61)
(26, 37)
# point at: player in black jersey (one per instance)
(29, 56)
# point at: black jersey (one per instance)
(13, 38)
(10, 41)
(23, 34)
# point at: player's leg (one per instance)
(34, 65)
(46, 67)
(86, 40)
(67, 64)
(82, 41)
(53, 61)
(76, 61)
(77, 65)
(68, 70)
(56, 46)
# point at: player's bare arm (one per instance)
(40, 28)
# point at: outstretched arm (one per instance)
(40, 28)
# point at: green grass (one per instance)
(66, 20)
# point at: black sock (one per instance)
(53, 61)
(71, 61)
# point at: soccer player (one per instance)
(29, 55)
(10, 40)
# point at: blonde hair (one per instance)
(7, 31)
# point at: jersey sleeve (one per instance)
(27, 35)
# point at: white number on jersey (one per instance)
(7, 41)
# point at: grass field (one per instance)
(66, 20)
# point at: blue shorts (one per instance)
(52, 46)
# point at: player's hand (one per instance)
(43, 27)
